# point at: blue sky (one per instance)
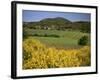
(33, 16)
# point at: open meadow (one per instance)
(56, 38)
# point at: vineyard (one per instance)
(37, 55)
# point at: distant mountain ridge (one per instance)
(56, 19)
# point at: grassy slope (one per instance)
(58, 42)
(69, 34)
(67, 39)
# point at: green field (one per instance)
(66, 39)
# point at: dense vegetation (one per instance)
(37, 55)
(83, 40)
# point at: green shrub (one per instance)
(26, 55)
(83, 40)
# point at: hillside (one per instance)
(58, 23)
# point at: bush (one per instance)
(26, 55)
(35, 35)
(83, 40)
(46, 35)
(38, 56)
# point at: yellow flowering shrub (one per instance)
(37, 56)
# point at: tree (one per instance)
(83, 40)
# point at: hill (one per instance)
(58, 23)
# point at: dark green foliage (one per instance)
(45, 35)
(25, 34)
(52, 35)
(83, 40)
(84, 26)
(81, 26)
(26, 55)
